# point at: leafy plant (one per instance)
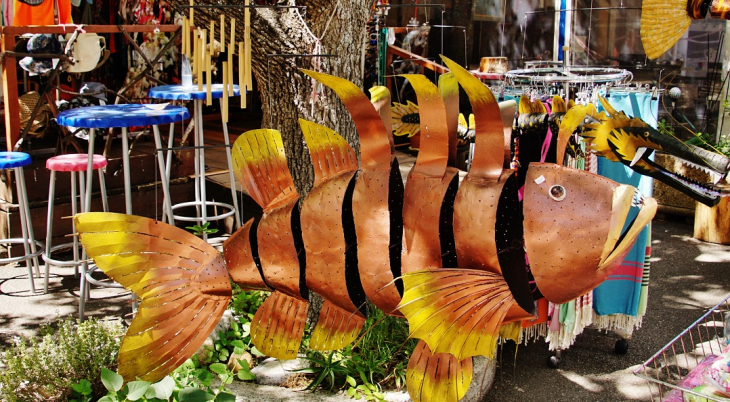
(244, 304)
(200, 230)
(49, 368)
(81, 391)
(327, 371)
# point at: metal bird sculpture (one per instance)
(449, 254)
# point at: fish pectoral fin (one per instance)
(440, 377)
(278, 326)
(456, 311)
(181, 280)
(336, 328)
(645, 215)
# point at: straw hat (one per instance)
(27, 104)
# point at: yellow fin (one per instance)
(374, 144)
(559, 105)
(336, 328)
(330, 152)
(573, 118)
(437, 378)
(259, 163)
(456, 311)
(278, 326)
(525, 106)
(663, 23)
(181, 280)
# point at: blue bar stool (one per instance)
(123, 116)
(32, 248)
(180, 92)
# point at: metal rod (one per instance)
(582, 9)
(413, 5)
(191, 147)
(291, 55)
(240, 6)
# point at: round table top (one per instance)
(10, 160)
(179, 92)
(128, 115)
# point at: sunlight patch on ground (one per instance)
(713, 253)
(582, 381)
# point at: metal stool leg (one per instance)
(164, 179)
(29, 222)
(127, 179)
(24, 225)
(231, 177)
(201, 143)
(102, 186)
(49, 228)
(75, 201)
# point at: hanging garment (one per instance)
(620, 302)
(40, 12)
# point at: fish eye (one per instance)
(557, 192)
(646, 134)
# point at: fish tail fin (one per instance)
(330, 152)
(259, 164)
(181, 280)
(278, 326)
(336, 328)
(663, 23)
(437, 377)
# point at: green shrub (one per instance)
(47, 369)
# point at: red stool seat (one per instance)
(74, 162)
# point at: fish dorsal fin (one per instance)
(573, 118)
(182, 282)
(489, 139)
(525, 106)
(330, 152)
(380, 98)
(259, 164)
(374, 144)
(433, 154)
(538, 107)
(559, 105)
(440, 377)
(449, 88)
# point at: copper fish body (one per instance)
(449, 257)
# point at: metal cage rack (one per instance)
(665, 370)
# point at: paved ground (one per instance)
(687, 277)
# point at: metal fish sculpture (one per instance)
(449, 257)
(664, 22)
(632, 142)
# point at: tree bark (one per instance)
(278, 35)
(286, 93)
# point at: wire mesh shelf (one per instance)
(704, 340)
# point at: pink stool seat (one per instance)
(74, 162)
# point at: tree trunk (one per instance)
(277, 35)
(286, 93)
